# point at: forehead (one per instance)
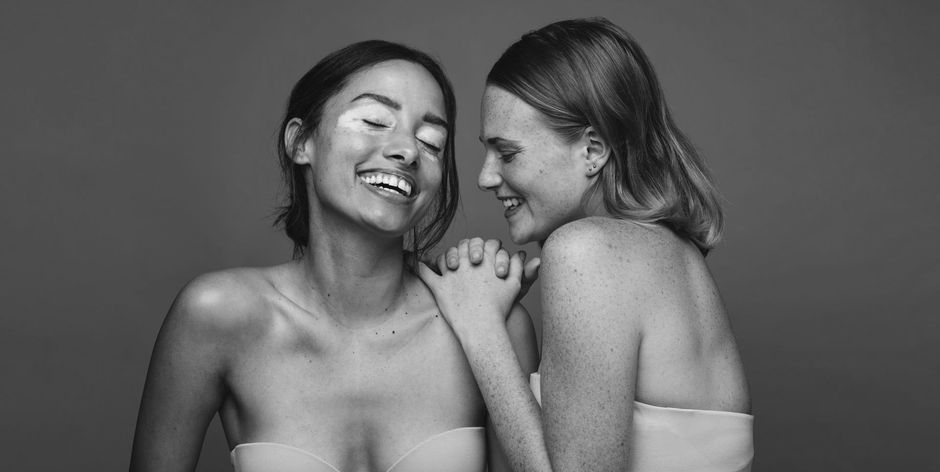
(507, 116)
(405, 82)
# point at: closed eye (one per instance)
(375, 124)
(434, 149)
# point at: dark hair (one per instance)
(307, 101)
(591, 73)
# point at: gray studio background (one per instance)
(137, 152)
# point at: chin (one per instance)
(520, 235)
(388, 225)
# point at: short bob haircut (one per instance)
(307, 101)
(590, 72)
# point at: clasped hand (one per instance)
(477, 282)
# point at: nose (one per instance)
(402, 147)
(489, 178)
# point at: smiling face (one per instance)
(376, 156)
(538, 177)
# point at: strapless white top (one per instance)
(457, 450)
(682, 440)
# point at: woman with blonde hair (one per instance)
(640, 370)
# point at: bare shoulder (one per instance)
(610, 271)
(222, 302)
(617, 249)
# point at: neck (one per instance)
(593, 203)
(357, 276)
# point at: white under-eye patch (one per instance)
(359, 117)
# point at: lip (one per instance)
(389, 195)
(509, 212)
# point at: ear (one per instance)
(299, 152)
(596, 151)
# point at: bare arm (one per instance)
(513, 413)
(475, 302)
(184, 386)
(522, 336)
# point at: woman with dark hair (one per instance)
(338, 359)
(640, 370)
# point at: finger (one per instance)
(502, 263)
(515, 267)
(492, 246)
(463, 251)
(531, 270)
(443, 263)
(476, 250)
(453, 259)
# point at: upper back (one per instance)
(657, 284)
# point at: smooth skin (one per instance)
(343, 352)
(630, 311)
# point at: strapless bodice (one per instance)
(457, 450)
(682, 440)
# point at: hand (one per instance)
(476, 248)
(450, 260)
(472, 296)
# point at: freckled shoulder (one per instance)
(611, 258)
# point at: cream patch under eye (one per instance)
(366, 117)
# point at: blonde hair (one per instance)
(591, 73)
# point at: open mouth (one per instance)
(391, 183)
(511, 203)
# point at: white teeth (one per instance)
(384, 181)
(404, 186)
(511, 202)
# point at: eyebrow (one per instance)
(497, 141)
(427, 118)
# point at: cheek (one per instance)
(531, 181)
(356, 142)
(435, 177)
(351, 139)
(431, 175)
